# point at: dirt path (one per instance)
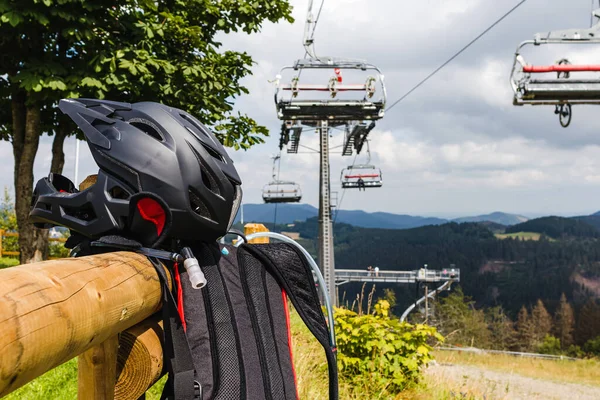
(490, 384)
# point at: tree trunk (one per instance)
(58, 154)
(33, 243)
(18, 127)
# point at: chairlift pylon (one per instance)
(278, 191)
(561, 91)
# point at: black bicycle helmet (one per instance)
(143, 148)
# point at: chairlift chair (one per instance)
(370, 175)
(281, 192)
(561, 91)
(278, 191)
(331, 99)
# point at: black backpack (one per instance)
(231, 339)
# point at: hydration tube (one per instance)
(195, 274)
(315, 269)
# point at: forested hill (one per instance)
(593, 220)
(559, 227)
(508, 272)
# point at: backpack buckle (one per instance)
(197, 390)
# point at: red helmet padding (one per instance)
(152, 211)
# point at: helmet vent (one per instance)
(44, 206)
(147, 127)
(118, 193)
(194, 124)
(85, 212)
(198, 205)
(209, 180)
(213, 152)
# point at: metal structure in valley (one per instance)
(313, 94)
(421, 276)
(562, 90)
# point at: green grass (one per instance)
(521, 235)
(6, 262)
(61, 383)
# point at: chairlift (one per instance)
(330, 99)
(562, 91)
(369, 174)
(362, 176)
(278, 191)
(281, 192)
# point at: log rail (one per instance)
(96, 308)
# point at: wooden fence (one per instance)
(4, 234)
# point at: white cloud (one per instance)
(456, 145)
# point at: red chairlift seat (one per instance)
(560, 91)
(324, 88)
(537, 69)
(370, 175)
(361, 176)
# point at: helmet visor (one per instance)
(237, 200)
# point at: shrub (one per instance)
(592, 346)
(58, 250)
(550, 345)
(383, 351)
(575, 351)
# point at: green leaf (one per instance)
(91, 82)
(12, 17)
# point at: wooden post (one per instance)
(52, 311)
(140, 359)
(253, 228)
(97, 371)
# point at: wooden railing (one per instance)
(94, 307)
(4, 234)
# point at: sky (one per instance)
(454, 147)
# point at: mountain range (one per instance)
(290, 213)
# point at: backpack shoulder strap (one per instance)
(291, 270)
(182, 383)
